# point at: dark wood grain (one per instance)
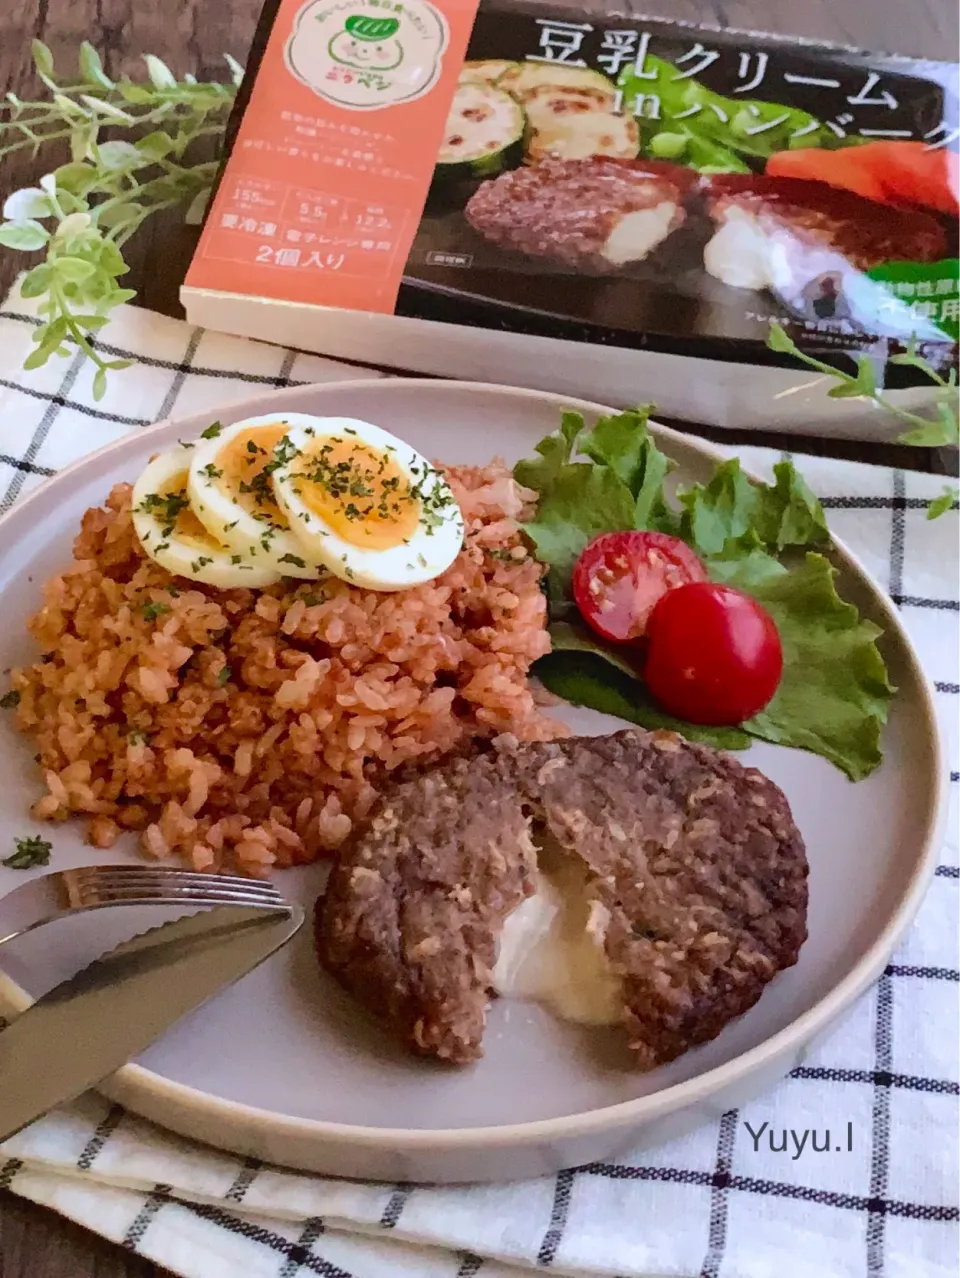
(193, 35)
(35, 1243)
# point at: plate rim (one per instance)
(132, 1080)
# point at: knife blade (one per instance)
(85, 1028)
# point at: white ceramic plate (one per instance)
(282, 1066)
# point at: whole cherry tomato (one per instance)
(714, 654)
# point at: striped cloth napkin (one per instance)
(717, 1204)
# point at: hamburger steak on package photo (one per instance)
(590, 202)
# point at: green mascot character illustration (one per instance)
(367, 44)
(367, 54)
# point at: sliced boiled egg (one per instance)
(367, 505)
(231, 493)
(172, 535)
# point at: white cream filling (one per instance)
(756, 253)
(745, 254)
(635, 234)
(551, 949)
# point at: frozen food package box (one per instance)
(588, 201)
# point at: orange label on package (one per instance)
(323, 191)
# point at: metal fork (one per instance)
(95, 887)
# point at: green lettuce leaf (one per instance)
(745, 565)
(621, 442)
(732, 505)
(576, 636)
(555, 451)
(587, 678)
(620, 487)
(719, 511)
(580, 502)
(789, 514)
(835, 693)
(624, 444)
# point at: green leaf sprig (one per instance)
(84, 211)
(940, 431)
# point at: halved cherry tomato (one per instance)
(714, 654)
(620, 576)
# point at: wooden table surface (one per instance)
(192, 36)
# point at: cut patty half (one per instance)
(599, 213)
(691, 874)
(411, 915)
(781, 233)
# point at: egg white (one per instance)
(181, 554)
(428, 552)
(226, 518)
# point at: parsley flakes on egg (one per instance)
(366, 505)
(172, 535)
(298, 496)
(231, 493)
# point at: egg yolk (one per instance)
(173, 510)
(243, 468)
(362, 494)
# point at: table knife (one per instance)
(85, 1028)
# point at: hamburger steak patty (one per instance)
(413, 908)
(781, 233)
(598, 213)
(694, 860)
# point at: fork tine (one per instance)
(38, 901)
(185, 898)
(177, 883)
(138, 891)
(86, 888)
(91, 886)
(138, 873)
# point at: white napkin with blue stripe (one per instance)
(717, 1204)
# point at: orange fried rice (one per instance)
(241, 730)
